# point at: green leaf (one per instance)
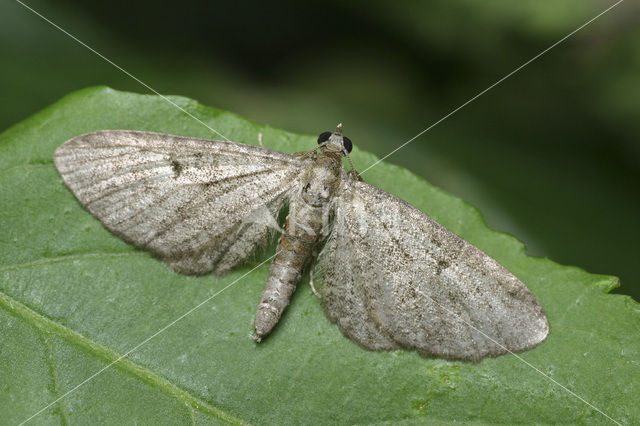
(74, 298)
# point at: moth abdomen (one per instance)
(284, 275)
(293, 255)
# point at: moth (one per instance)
(389, 276)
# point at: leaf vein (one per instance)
(68, 258)
(143, 373)
(27, 166)
(51, 362)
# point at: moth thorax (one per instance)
(320, 184)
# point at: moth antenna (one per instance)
(311, 151)
(260, 140)
(353, 170)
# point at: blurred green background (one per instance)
(551, 155)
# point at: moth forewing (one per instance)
(189, 201)
(420, 285)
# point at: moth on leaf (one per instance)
(389, 276)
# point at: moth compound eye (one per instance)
(346, 142)
(324, 137)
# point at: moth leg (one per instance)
(260, 140)
(313, 289)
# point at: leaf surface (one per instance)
(74, 298)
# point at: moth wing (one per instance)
(391, 276)
(199, 205)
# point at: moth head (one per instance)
(335, 141)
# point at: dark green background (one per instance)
(551, 155)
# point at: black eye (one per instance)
(324, 137)
(346, 142)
